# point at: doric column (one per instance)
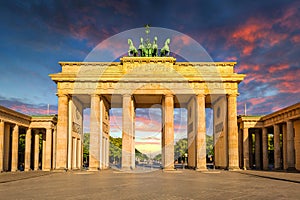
(290, 145)
(128, 153)
(62, 132)
(54, 149)
(94, 162)
(74, 155)
(233, 150)
(284, 146)
(2, 131)
(78, 154)
(27, 149)
(168, 132)
(36, 149)
(70, 138)
(107, 152)
(6, 146)
(246, 148)
(201, 133)
(43, 149)
(276, 147)
(103, 152)
(241, 159)
(14, 150)
(265, 148)
(47, 153)
(257, 149)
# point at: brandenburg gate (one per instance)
(140, 82)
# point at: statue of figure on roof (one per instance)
(165, 51)
(154, 47)
(142, 48)
(148, 49)
(132, 50)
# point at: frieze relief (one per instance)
(76, 128)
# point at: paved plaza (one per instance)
(180, 184)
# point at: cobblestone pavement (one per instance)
(180, 184)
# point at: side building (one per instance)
(26, 142)
(271, 141)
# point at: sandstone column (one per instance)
(246, 148)
(107, 152)
(128, 153)
(6, 146)
(290, 145)
(2, 132)
(94, 162)
(54, 149)
(62, 132)
(36, 149)
(14, 150)
(69, 135)
(241, 159)
(233, 151)
(27, 149)
(133, 133)
(43, 149)
(284, 146)
(265, 148)
(103, 152)
(74, 155)
(47, 153)
(168, 134)
(78, 154)
(201, 133)
(276, 147)
(257, 150)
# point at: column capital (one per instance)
(232, 95)
(48, 130)
(169, 95)
(95, 95)
(62, 95)
(127, 95)
(201, 95)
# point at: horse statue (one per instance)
(154, 47)
(165, 51)
(132, 50)
(142, 48)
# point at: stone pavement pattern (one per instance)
(183, 184)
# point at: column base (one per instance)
(60, 170)
(201, 169)
(234, 169)
(291, 169)
(93, 169)
(170, 168)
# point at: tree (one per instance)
(209, 145)
(140, 155)
(115, 149)
(86, 146)
(157, 157)
(180, 148)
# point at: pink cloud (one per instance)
(296, 39)
(144, 143)
(32, 111)
(277, 68)
(259, 32)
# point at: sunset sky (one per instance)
(262, 36)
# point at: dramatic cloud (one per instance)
(263, 37)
